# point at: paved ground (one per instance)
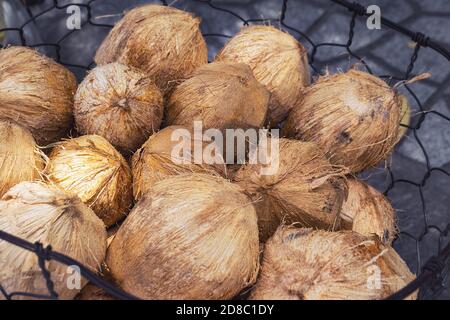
(422, 209)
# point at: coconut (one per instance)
(119, 103)
(354, 117)
(222, 96)
(303, 186)
(192, 236)
(20, 158)
(164, 42)
(91, 168)
(41, 213)
(369, 212)
(160, 157)
(37, 93)
(303, 264)
(405, 116)
(277, 60)
(93, 292)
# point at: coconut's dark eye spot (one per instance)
(344, 136)
(243, 80)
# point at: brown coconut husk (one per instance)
(37, 212)
(305, 188)
(191, 236)
(37, 93)
(91, 168)
(120, 104)
(20, 158)
(92, 292)
(277, 60)
(353, 116)
(222, 96)
(368, 212)
(303, 264)
(154, 161)
(164, 42)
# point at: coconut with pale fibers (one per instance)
(353, 116)
(303, 187)
(41, 213)
(91, 168)
(119, 103)
(192, 236)
(221, 96)
(164, 42)
(171, 151)
(307, 264)
(20, 157)
(37, 93)
(277, 60)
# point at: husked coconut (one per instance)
(119, 103)
(91, 168)
(301, 187)
(277, 60)
(37, 93)
(41, 213)
(164, 42)
(168, 152)
(222, 96)
(368, 212)
(353, 116)
(192, 236)
(20, 158)
(303, 264)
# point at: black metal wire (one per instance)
(431, 271)
(45, 254)
(417, 37)
(431, 275)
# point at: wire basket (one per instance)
(335, 33)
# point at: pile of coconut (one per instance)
(96, 170)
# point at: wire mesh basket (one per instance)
(415, 178)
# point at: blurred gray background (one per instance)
(421, 196)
